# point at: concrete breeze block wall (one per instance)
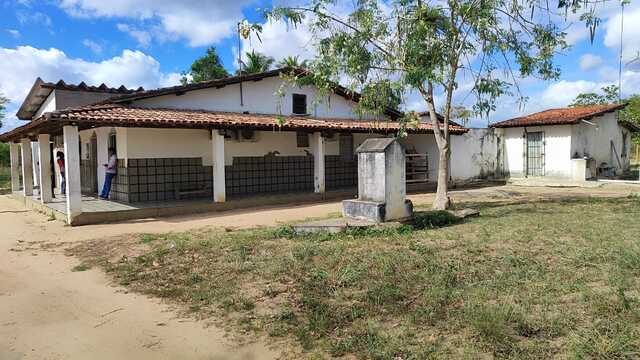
(157, 179)
(146, 180)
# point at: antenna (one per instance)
(622, 2)
(240, 65)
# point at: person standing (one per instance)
(110, 172)
(63, 178)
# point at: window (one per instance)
(112, 140)
(299, 104)
(303, 139)
(346, 147)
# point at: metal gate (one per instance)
(535, 153)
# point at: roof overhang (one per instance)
(34, 100)
(633, 127)
(121, 116)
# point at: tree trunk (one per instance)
(442, 200)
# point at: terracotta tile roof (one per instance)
(41, 90)
(563, 116)
(126, 116)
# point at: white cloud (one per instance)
(27, 17)
(561, 93)
(20, 67)
(630, 34)
(14, 33)
(142, 37)
(279, 41)
(590, 61)
(93, 46)
(201, 22)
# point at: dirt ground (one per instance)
(50, 312)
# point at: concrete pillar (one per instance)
(27, 167)
(14, 154)
(318, 148)
(72, 171)
(44, 159)
(217, 147)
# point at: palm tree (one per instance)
(256, 63)
(292, 62)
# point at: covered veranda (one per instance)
(78, 209)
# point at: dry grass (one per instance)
(537, 280)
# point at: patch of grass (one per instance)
(523, 281)
(81, 267)
(434, 219)
(5, 178)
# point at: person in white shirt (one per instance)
(110, 173)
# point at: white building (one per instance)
(221, 140)
(569, 143)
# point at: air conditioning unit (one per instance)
(247, 135)
(240, 135)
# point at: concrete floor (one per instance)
(96, 210)
(93, 204)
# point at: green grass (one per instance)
(523, 281)
(5, 179)
(81, 267)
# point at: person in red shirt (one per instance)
(63, 182)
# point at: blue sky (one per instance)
(149, 42)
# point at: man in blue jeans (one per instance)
(110, 173)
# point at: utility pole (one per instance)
(240, 65)
(622, 2)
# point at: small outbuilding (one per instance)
(576, 143)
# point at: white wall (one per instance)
(48, 105)
(176, 143)
(144, 143)
(594, 140)
(259, 98)
(557, 150)
(476, 155)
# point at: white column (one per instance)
(44, 159)
(27, 167)
(14, 152)
(72, 171)
(217, 147)
(318, 148)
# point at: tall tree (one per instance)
(413, 46)
(256, 63)
(3, 108)
(292, 62)
(207, 67)
(608, 95)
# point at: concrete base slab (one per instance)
(334, 226)
(553, 182)
(96, 211)
(374, 211)
(464, 213)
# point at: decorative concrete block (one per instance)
(381, 183)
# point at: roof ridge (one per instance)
(560, 116)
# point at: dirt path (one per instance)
(49, 312)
